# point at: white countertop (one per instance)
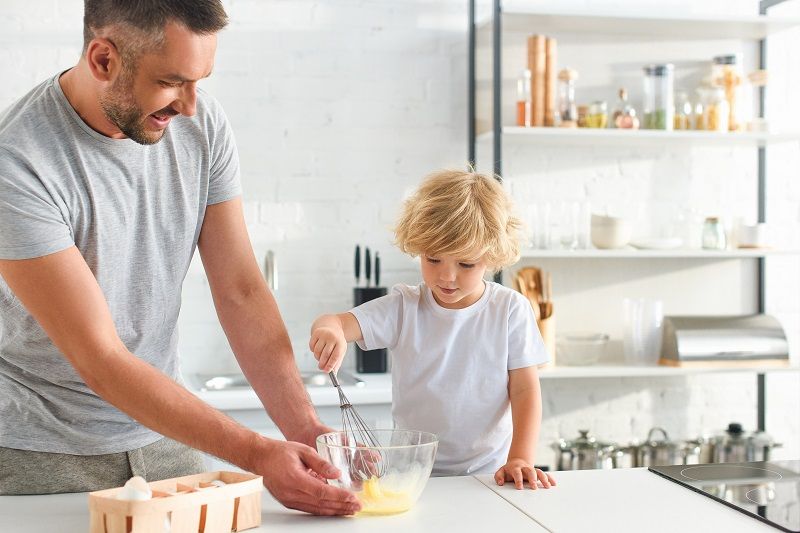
(459, 504)
(625, 500)
(377, 389)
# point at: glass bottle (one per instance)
(524, 98)
(658, 108)
(567, 109)
(598, 115)
(624, 116)
(714, 234)
(683, 112)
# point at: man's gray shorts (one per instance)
(27, 472)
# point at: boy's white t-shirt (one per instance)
(450, 368)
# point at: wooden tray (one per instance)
(188, 504)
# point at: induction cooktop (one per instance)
(766, 490)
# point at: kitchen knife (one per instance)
(358, 265)
(377, 270)
(367, 265)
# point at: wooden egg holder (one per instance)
(191, 504)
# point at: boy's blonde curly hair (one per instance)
(460, 213)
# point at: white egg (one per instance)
(136, 488)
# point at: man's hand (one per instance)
(309, 436)
(519, 471)
(295, 476)
(329, 346)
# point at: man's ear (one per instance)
(104, 60)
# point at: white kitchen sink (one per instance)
(218, 382)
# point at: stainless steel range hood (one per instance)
(702, 340)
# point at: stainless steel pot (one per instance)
(739, 446)
(665, 452)
(584, 453)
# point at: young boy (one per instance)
(463, 349)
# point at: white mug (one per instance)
(751, 236)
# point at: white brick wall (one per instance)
(340, 107)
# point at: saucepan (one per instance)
(584, 453)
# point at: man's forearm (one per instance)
(261, 344)
(156, 401)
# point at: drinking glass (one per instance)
(643, 329)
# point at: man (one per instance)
(110, 174)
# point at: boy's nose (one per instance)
(448, 275)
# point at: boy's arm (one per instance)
(526, 412)
(329, 337)
(344, 321)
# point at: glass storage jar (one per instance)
(567, 109)
(715, 109)
(524, 98)
(714, 234)
(683, 112)
(658, 106)
(598, 115)
(726, 73)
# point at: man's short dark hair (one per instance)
(147, 19)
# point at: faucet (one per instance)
(271, 270)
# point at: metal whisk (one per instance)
(364, 463)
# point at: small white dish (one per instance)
(667, 243)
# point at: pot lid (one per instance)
(735, 434)
(584, 442)
(663, 443)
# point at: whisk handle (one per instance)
(335, 381)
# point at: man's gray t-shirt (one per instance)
(134, 212)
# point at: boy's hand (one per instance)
(519, 471)
(329, 346)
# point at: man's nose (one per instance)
(186, 104)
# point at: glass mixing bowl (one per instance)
(401, 465)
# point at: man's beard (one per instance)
(120, 108)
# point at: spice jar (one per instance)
(657, 111)
(683, 112)
(566, 98)
(726, 74)
(624, 116)
(697, 119)
(583, 112)
(598, 115)
(524, 98)
(714, 234)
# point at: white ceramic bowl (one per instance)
(610, 232)
(579, 348)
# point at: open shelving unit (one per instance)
(632, 253)
(515, 17)
(610, 137)
(621, 370)
(519, 17)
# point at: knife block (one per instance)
(369, 361)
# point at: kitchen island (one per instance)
(624, 500)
